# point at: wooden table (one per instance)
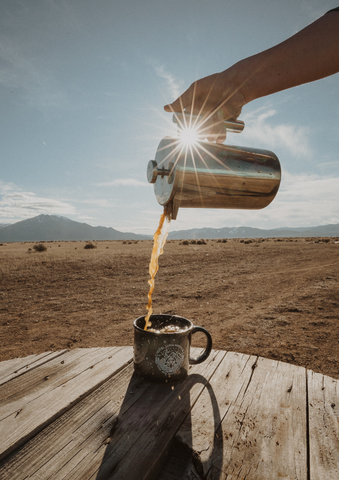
(83, 413)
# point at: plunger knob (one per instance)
(152, 171)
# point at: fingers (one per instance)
(215, 127)
(185, 100)
(213, 100)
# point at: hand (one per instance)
(216, 98)
(307, 56)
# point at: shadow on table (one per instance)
(143, 442)
(185, 463)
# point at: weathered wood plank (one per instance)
(199, 431)
(23, 389)
(61, 446)
(30, 402)
(18, 366)
(323, 400)
(263, 433)
(125, 422)
(165, 413)
(10, 365)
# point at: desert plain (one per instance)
(277, 298)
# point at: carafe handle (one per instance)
(186, 119)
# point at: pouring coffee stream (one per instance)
(159, 238)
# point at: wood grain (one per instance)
(13, 368)
(269, 424)
(124, 422)
(201, 430)
(31, 401)
(263, 429)
(84, 414)
(323, 396)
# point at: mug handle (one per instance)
(207, 351)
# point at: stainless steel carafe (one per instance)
(209, 175)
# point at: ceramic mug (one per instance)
(166, 356)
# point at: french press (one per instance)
(209, 175)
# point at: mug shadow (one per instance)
(143, 440)
(183, 460)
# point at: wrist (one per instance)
(241, 78)
(247, 79)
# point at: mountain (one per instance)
(53, 228)
(248, 232)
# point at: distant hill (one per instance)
(53, 228)
(248, 232)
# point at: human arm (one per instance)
(309, 55)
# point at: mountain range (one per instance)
(53, 228)
(56, 228)
(249, 232)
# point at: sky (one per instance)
(82, 89)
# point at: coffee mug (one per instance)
(165, 356)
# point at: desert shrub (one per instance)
(201, 242)
(185, 242)
(90, 245)
(193, 242)
(248, 241)
(40, 247)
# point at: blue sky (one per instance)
(82, 89)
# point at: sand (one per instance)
(277, 298)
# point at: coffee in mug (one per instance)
(162, 352)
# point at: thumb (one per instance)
(181, 102)
(169, 108)
(175, 106)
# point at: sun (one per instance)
(189, 135)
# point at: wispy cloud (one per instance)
(260, 131)
(303, 200)
(172, 84)
(309, 199)
(16, 205)
(124, 182)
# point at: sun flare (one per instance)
(189, 136)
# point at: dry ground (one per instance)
(277, 299)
